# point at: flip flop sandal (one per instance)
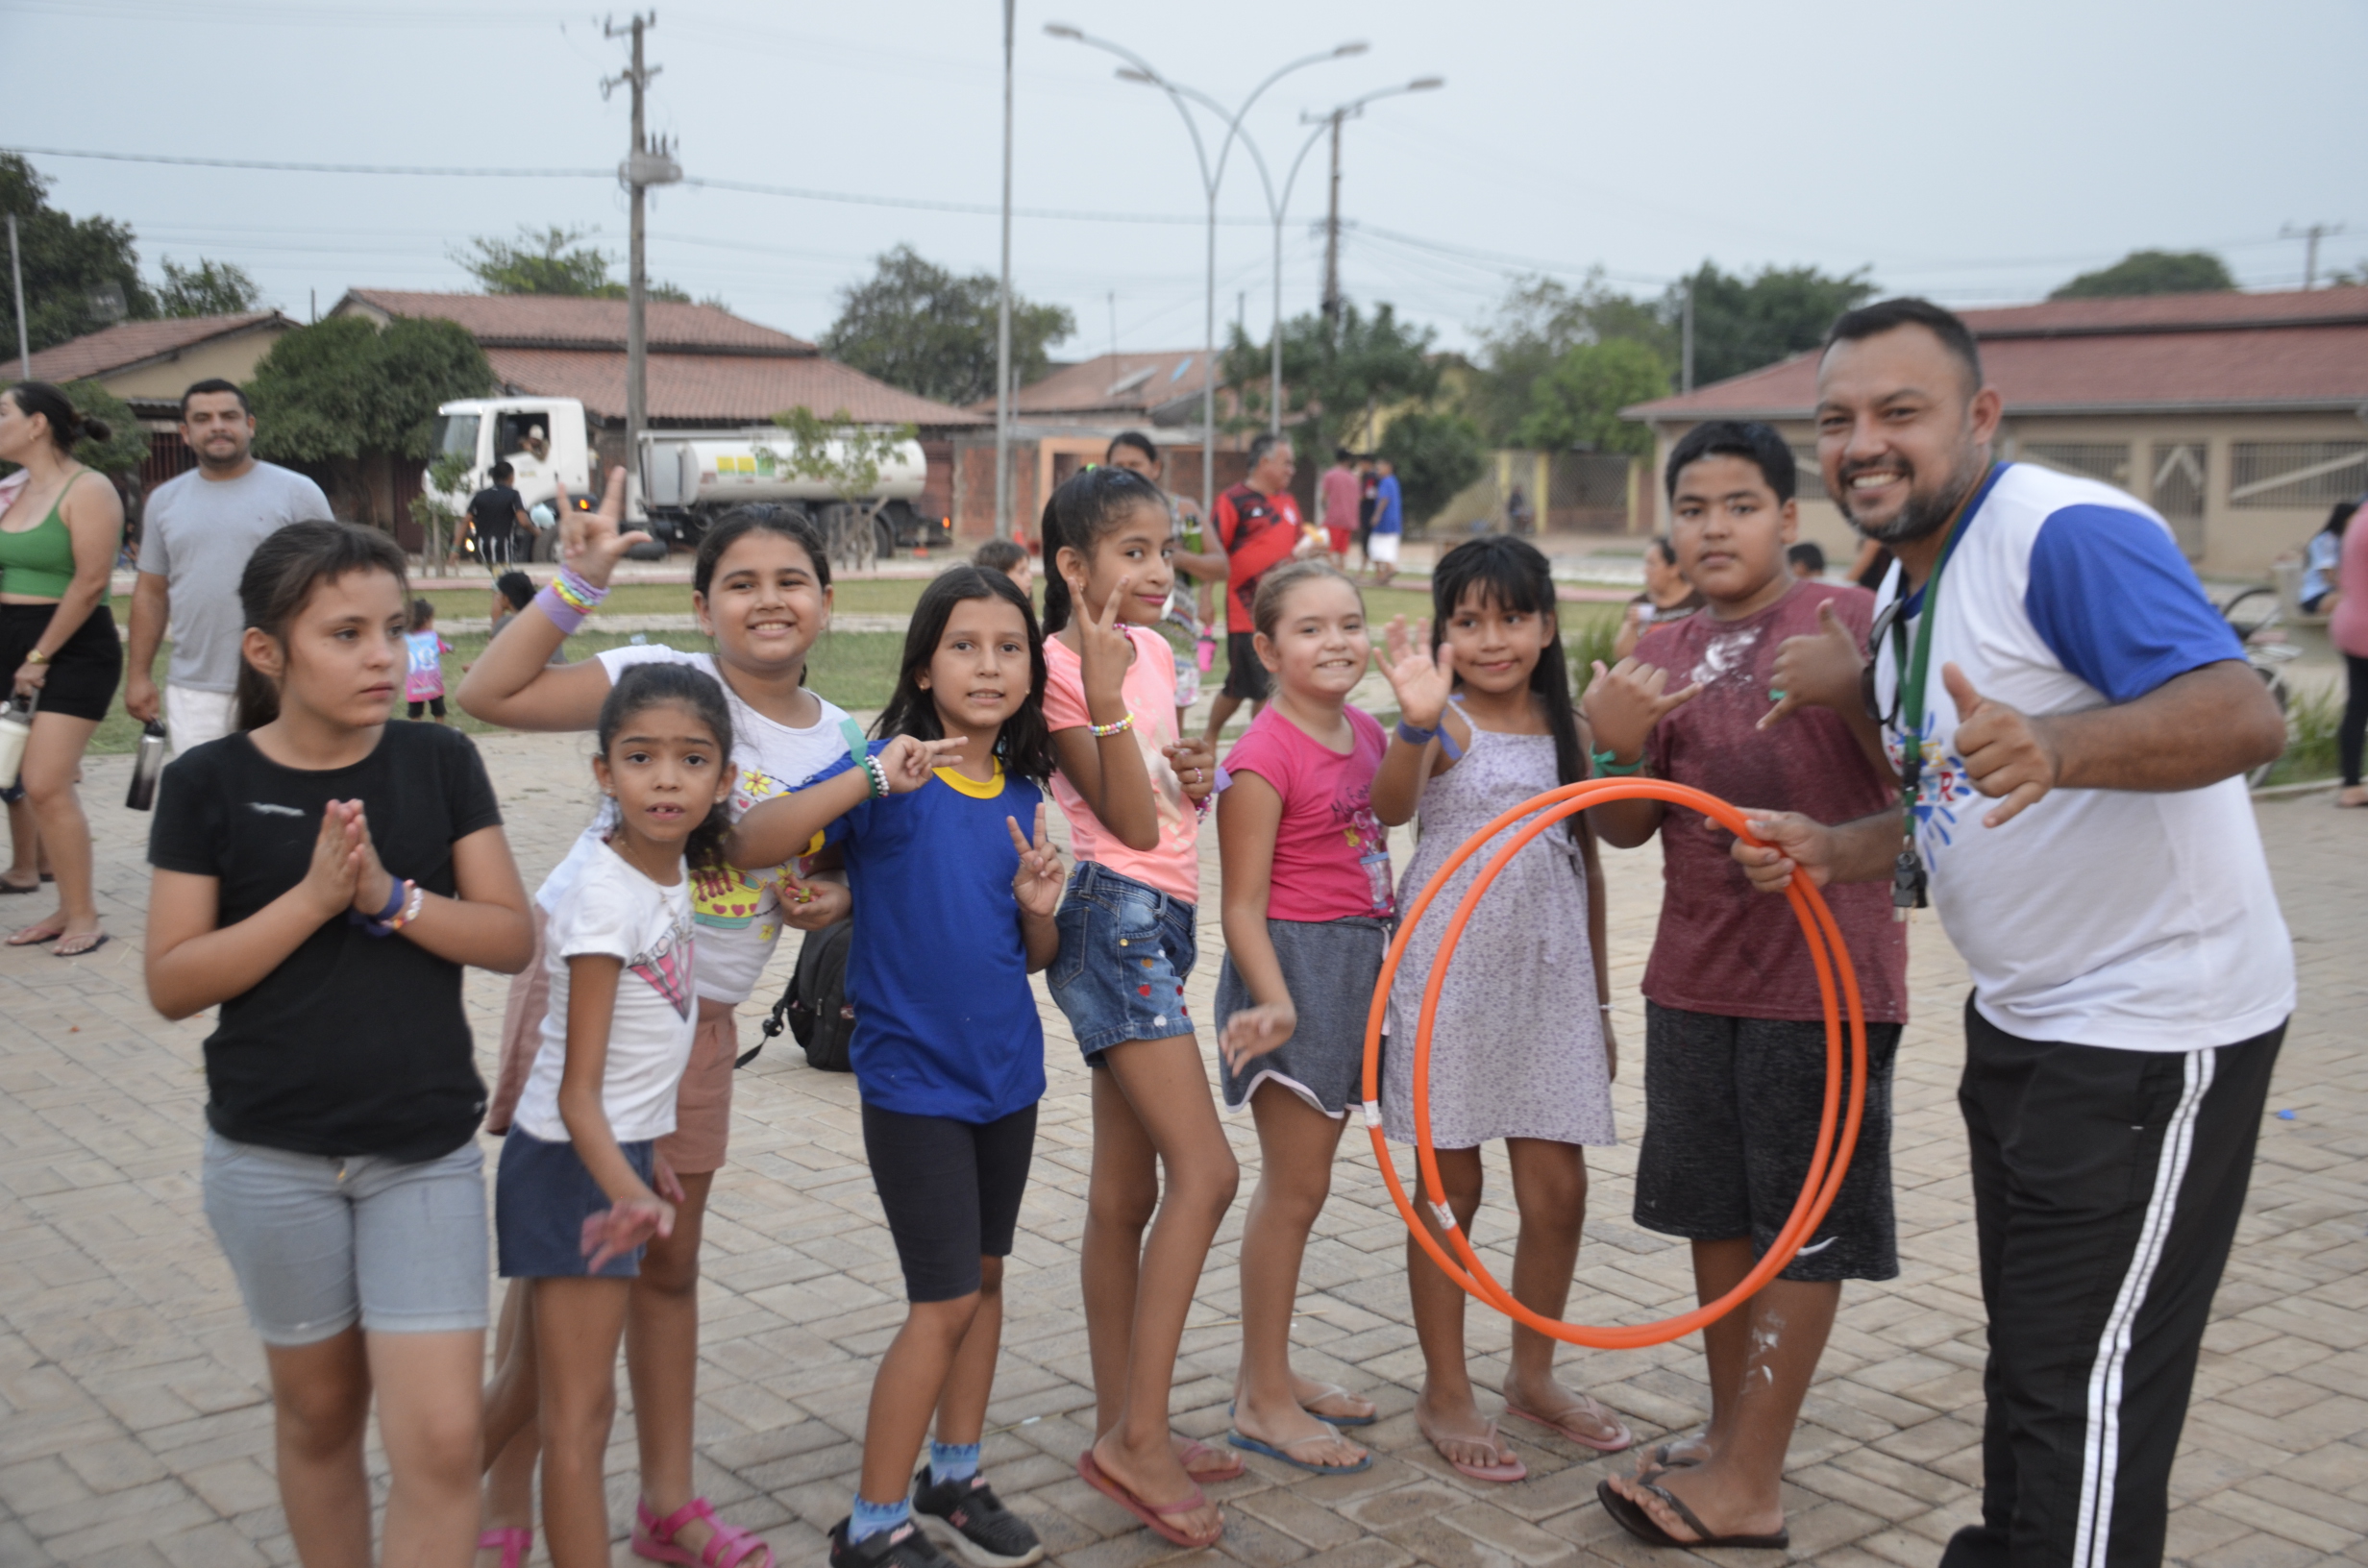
(20, 939)
(1333, 1390)
(1660, 1461)
(78, 953)
(1215, 1464)
(515, 1543)
(1278, 1451)
(1601, 1445)
(7, 887)
(1153, 1514)
(728, 1547)
(1632, 1518)
(1510, 1470)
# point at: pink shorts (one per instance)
(703, 1101)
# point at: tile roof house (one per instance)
(1119, 389)
(2241, 417)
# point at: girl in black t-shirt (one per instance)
(321, 876)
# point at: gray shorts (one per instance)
(1331, 968)
(320, 1244)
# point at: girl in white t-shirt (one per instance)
(579, 1190)
(760, 586)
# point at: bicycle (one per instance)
(2267, 650)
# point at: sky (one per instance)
(1977, 156)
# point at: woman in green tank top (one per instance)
(59, 535)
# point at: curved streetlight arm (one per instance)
(1148, 72)
(1234, 129)
(1248, 143)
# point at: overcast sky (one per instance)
(1978, 155)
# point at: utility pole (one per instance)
(1686, 351)
(2310, 237)
(646, 166)
(16, 276)
(1002, 312)
(1332, 240)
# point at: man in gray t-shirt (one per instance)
(196, 534)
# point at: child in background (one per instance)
(321, 876)
(424, 683)
(1733, 1016)
(1190, 623)
(1806, 560)
(953, 912)
(1009, 557)
(579, 1188)
(760, 586)
(1522, 1046)
(512, 592)
(1308, 907)
(1132, 792)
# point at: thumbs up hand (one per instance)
(1821, 669)
(2005, 753)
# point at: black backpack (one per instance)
(818, 1015)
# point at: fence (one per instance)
(1582, 492)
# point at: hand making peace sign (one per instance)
(1037, 884)
(1104, 646)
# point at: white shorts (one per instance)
(1383, 547)
(194, 717)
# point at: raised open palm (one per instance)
(1422, 677)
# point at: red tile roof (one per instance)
(720, 389)
(560, 322)
(2160, 353)
(1139, 382)
(131, 342)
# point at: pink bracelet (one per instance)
(563, 615)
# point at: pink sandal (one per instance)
(515, 1543)
(654, 1538)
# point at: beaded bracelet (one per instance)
(394, 916)
(876, 778)
(1102, 732)
(567, 599)
(411, 908)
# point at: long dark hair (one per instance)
(68, 424)
(699, 693)
(278, 583)
(1088, 507)
(2340, 518)
(1514, 574)
(762, 517)
(1025, 745)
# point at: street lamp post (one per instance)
(1212, 175)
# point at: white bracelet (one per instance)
(1603, 1007)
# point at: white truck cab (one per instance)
(543, 439)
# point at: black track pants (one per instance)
(2107, 1188)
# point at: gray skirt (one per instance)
(1331, 968)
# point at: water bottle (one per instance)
(145, 767)
(16, 729)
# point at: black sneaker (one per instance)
(903, 1547)
(968, 1517)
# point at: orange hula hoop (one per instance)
(1828, 956)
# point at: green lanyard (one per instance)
(1908, 878)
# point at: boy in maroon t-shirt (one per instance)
(1735, 1036)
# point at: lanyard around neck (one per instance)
(1914, 668)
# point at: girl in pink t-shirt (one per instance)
(1133, 792)
(1308, 912)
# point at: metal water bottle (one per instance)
(142, 795)
(16, 729)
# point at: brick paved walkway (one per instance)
(133, 1428)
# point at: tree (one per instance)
(69, 265)
(211, 289)
(342, 387)
(917, 326)
(1576, 403)
(1740, 324)
(1539, 322)
(546, 264)
(1435, 456)
(1331, 383)
(846, 456)
(2152, 272)
(126, 447)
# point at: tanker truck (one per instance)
(685, 478)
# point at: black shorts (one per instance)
(432, 704)
(84, 669)
(951, 1191)
(1731, 1109)
(1245, 678)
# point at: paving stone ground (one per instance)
(134, 1429)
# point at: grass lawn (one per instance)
(871, 595)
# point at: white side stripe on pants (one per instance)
(2101, 1449)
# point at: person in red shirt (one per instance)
(1258, 524)
(1337, 495)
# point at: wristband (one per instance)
(1612, 767)
(393, 918)
(1415, 737)
(1102, 732)
(563, 615)
(577, 590)
(411, 908)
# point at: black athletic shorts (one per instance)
(1245, 678)
(432, 704)
(952, 1191)
(84, 669)
(1731, 1109)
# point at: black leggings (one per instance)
(2354, 731)
(951, 1190)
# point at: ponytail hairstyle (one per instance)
(278, 583)
(1025, 745)
(1087, 508)
(68, 424)
(1515, 575)
(641, 687)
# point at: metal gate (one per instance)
(2179, 490)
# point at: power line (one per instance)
(318, 168)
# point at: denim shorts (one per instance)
(1126, 950)
(542, 1194)
(320, 1244)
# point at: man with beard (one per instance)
(2133, 975)
(198, 531)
